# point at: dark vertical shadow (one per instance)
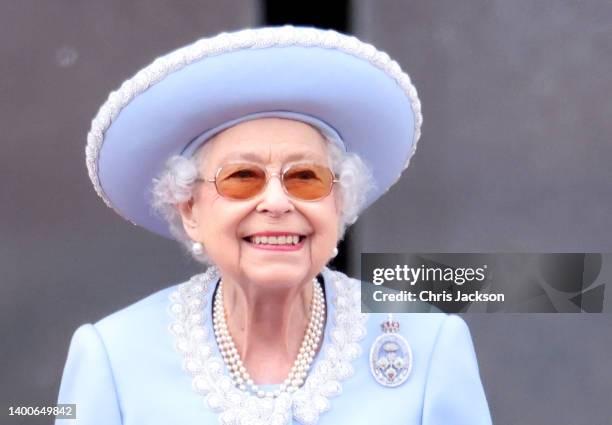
(330, 15)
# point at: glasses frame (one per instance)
(269, 175)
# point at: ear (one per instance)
(337, 199)
(190, 224)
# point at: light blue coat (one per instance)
(124, 369)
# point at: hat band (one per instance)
(329, 132)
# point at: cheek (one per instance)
(220, 223)
(325, 222)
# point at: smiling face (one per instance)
(272, 239)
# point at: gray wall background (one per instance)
(515, 156)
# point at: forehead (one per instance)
(266, 140)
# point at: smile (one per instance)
(276, 241)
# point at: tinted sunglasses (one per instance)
(303, 181)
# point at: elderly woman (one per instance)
(252, 149)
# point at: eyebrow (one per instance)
(255, 157)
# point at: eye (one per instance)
(303, 175)
(244, 173)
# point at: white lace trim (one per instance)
(228, 42)
(194, 341)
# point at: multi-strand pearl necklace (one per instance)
(302, 363)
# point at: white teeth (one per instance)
(275, 240)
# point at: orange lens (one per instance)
(308, 182)
(240, 181)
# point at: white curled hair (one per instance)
(177, 181)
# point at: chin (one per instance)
(273, 275)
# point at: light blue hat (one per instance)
(355, 94)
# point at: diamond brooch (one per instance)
(390, 356)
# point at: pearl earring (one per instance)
(334, 252)
(197, 248)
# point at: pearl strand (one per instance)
(300, 367)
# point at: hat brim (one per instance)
(375, 112)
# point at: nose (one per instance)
(274, 201)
